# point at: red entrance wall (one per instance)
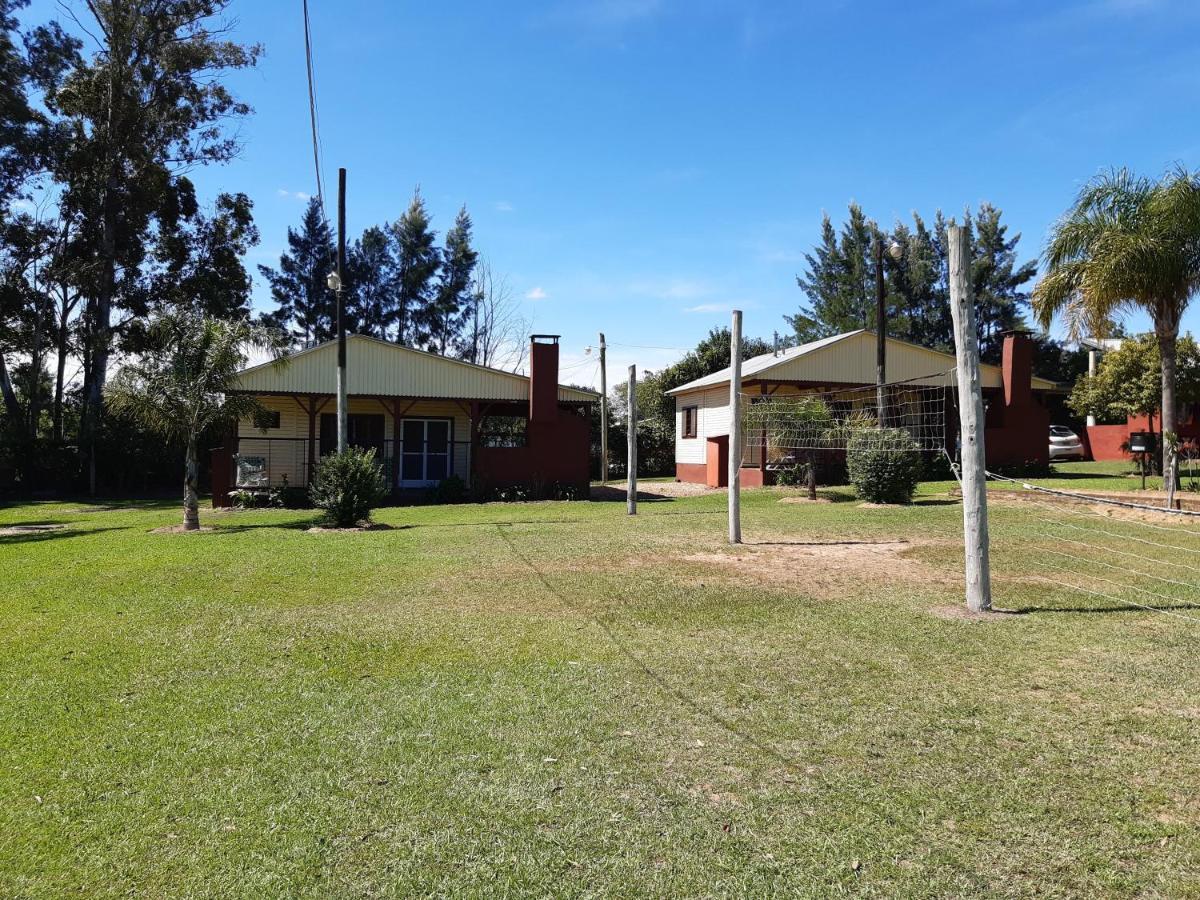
(1108, 442)
(716, 456)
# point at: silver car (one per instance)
(1065, 444)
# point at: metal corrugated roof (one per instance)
(852, 362)
(381, 368)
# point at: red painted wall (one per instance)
(1104, 441)
(716, 456)
(554, 452)
(222, 471)
(693, 473)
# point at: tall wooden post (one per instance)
(735, 429)
(631, 444)
(971, 421)
(603, 412)
(342, 400)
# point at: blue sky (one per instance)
(643, 166)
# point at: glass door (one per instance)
(424, 451)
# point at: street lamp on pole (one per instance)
(896, 252)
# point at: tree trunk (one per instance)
(60, 375)
(191, 501)
(1167, 334)
(812, 475)
(11, 407)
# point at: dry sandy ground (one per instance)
(823, 567)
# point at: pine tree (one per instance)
(372, 282)
(304, 304)
(997, 279)
(417, 261)
(450, 312)
(840, 281)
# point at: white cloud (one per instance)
(708, 308)
(536, 293)
(672, 288)
(294, 195)
(503, 206)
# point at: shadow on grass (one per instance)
(1056, 474)
(823, 543)
(290, 525)
(1100, 610)
(49, 534)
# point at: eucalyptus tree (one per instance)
(181, 386)
(145, 103)
(1128, 242)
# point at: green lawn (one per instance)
(556, 699)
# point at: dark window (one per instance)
(502, 431)
(689, 421)
(266, 418)
(364, 430)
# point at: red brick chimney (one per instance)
(543, 378)
(1016, 365)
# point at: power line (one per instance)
(312, 109)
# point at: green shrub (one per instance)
(450, 490)
(347, 486)
(884, 464)
(791, 476)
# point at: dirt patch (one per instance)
(364, 526)
(13, 530)
(869, 505)
(804, 500)
(178, 529)
(653, 489)
(824, 567)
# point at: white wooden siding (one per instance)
(712, 419)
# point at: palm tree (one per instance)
(181, 386)
(1128, 243)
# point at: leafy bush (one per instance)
(560, 491)
(884, 464)
(514, 493)
(450, 490)
(790, 476)
(936, 467)
(347, 486)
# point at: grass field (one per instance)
(555, 699)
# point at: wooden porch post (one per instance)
(395, 404)
(311, 410)
(472, 465)
(762, 451)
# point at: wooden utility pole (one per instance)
(971, 423)
(342, 400)
(631, 444)
(603, 412)
(880, 336)
(735, 429)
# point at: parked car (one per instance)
(1065, 444)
